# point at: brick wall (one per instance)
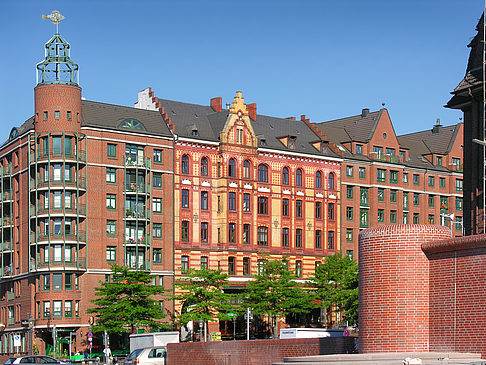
(259, 352)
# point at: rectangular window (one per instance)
(157, 205)
(318, 239)
(431, 219)
(393, 177)
(298, 208)
(456, 162)
(111, 253)
(157, 180)
(185, 198)
(381, 194)
(56, 201)
(405, 177)
(330, 240)
(262, 238)
(185, 231)
(204, 231)
(57, 226)
(157, 230)
(458, 224)
(56, 281)
(381, 175)
(363, 196)
(458, 184)
(111, 228)
(330, 211)
(285, 237)
(318, 210)
(390, 151)
(359, 149)
(111, 150)
(57, 145)
(68, 308)
(57, 308)
(378, 150)
(298, 238)
(405, 200)
(349, 171)
(157, 255)
(46, 309)
(47, 282)
(363, 218)
(68, 115)
(246, 202)
(416, 179)
(349, 213)
(68, 282)
(110, 175)
(349, 192)
(231, 265)
(405, 218)
(68, 145)
(416, 199)
(431, 180)
(231, 232)
(431, 200)
(285, 207)
(46, 115)
(246, 233)
(262, 205)
(393, 196)
(157, 156)
(349, 234)
(362, 172)
(438, 160)
(204, 263)
(45, 146)
(459, 204)
(246, 266)
(381, 215)
(232, 201)
(416, 218)
(393, 216)
(67, 173)
(57, 114)
(56, 169)
(442, 182)
(110, 201)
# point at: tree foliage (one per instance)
(336, 283)
(203, 297)
(125, 303)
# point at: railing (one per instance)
(81, 183)
(143, 214)
(7, 221)
(81, 210)
(139, 241)
(139, 162)
(41, 156)
(6, 246)
(7, 195)
(6, 170)
(135, 188)
(79, 264)
(79, 236)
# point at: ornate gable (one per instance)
(238, 128)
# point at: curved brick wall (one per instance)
(394, 287)
(62, 98)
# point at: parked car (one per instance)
(147, 356)
(34, 359)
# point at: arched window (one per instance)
(262, 173)
(185, 165)
(231, 167)
(285, 176)
(204, 166)
(298, 177)
(318, 179)
(331, 181)
(246, 169)
(132, 124)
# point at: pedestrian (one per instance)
(107, 353)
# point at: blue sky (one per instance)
(325, 59)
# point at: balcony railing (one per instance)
(135, 188)
(137, 241)
(79, 236)
(7, 221)
(79, 264)
(81, 183)
(6, 246)
(6, 195)
(137, 214)
(6, 170)
(40, 210)
(41, 156)
(140, 162)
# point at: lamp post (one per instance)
(31, 333)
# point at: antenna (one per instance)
(55, 17)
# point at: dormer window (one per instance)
(194, 133)
(359, 149)
(262, 142)
(438, 160)
(390, 151)
(132, 124)
(291, 143)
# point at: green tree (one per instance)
(335, 283)
(125, 303)
(275, 292)
(202, 295)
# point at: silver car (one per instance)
(34, 359)
(150, 356)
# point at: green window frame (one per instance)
(380, 175)
(57, 281)
(111, 201)
(111, 228)
(459, 185)
(349, 192)
(416, 179)
(68, 145)
(349, 213)
(111, 253)
(431, 201)
(157, 180)
(68, 308)
(111, 150)
(110, 175)
(157, 156)
(381, 194)
(393, 196)
(349, 234)
(416, 218)
(362, 172)
(56, 146)
(458, 203)
(157, 230)
(57, 114)
(157, 205)
(431, 219)
(416, 199)
(405, 177)
(157, 255)
(68, 281)
(442, 182)
(393, 216)
(381, 215)
(349, 171)
(394, 177)
(69, 115)
(363, 218)
(46, 282)
(431, 180)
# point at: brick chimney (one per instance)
(365, 112)
(217, 104)
(252, 111)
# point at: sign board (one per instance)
(17, 342)
(90, 335)
(346, 333)
(90, 339)
(215, 336)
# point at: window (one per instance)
(56, 281)
(349, 213)
(381, 194)
(359, 149)
(246, 202)
(185, 231)
(110, 201)
(285, 176)
(157, 205)
(416, 218)
(110, 175)
(431, 180)
(184, 164)
(393, 196)
(298, 238)
(380, 177)
(330, 240)
(68, 308)
(262, 205)
(262, 238)
(363, 196)
(232, 167)
(298, 177)
(381, 215)
(262, 173)
(157, 230)
(68, 145)
(285, 237)
(56, 169)
(157, 180)
(363, 216)
(416, 199)
(431, 200)
(157, 255)
(56, 199)
(438, 160)
(46, 309)
(246, 169)
(68, 281)
(46, 114)
(318, 179)
(184, 198)
(405, 200)
(330, 183)
(246, 233)
(111, 150)
(231, 232)
(285, 207)
(318, 239)
(458, 203)
(45, 146)
(231, 201)
(349, 234)
(416, 179)
(57, 114)
(204, 166)
(390, 151)
(378, 150)
(111, 228)
(456, 162)
(298, 208)
(393, 177)
(405, 177)
(458, 223)
(349, 171)
(442, 182)
(47, 282)
(246, 266)
(111, 253)
(431, 219)
(362, 172)
(318, 210)
(204, 263)
(157, 155)
(405, 218)
(458, 184)
(56, 146)
(349, 192)
(261, 266)
(204, 200)
(204, 231)
(330, 211)
(184, 264)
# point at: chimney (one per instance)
(252, 111)
(437, 126)
(365, 112)
(302, 117)
(217, 104)
(291, 118)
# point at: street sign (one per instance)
(17, 342)
(231, 315)
(90, 335)
(346, 333)
(90, 339)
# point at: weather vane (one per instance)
(55, 17)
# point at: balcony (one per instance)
(135, 188)
(6, 170)
(6, 195)
(79, 156)
(7, 221)
(140, 162)
(79, 264)
(41, 210)
(80, 236)
(6, 246)
(145, 241)
(137, 214)
(81, 184)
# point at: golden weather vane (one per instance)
(55, 17)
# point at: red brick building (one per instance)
(388, 179)
(83, 185)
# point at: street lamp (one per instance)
(31, 330)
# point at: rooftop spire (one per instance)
(57, 67)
